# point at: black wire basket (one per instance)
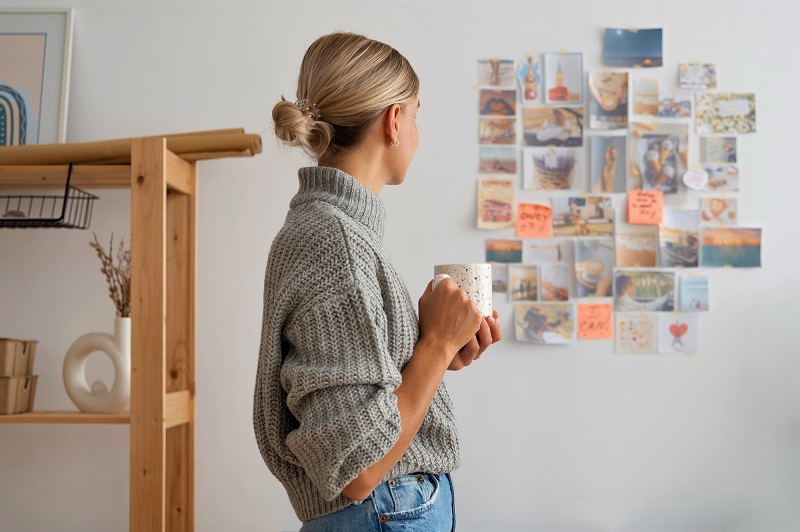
(71, 210)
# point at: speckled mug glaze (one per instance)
(474, 279)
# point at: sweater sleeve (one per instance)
(340, 382)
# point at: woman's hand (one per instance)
(447, 318)
(488, 334)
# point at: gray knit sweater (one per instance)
(338, 328)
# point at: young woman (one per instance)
(350, 411)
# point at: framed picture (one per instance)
(35, 53)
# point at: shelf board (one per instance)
(67, 416)
(85, 176)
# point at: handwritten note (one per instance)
(534, 220)
(645, 207)
(594, 321)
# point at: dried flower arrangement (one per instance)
(118, 275)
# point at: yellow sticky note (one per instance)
(534, 221)
(594, 321)
(645, 207)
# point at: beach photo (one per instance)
(730, 247)
(552, 126)
(499, 278)
(502, 250)
(552, 169)
(594, 265)
(718, 211)
(501, 131)
(563, 78)
(644, 290)
(608, 100)
(608, 155)
(497, 102)
(583, 216)
(697, 76)
(523, 282)
(636, 249)
(544, 323)
(635, 333)
(497, 160)
(633, 48)
(673, 104)
(678, 236)
(645, 97)
(496, 72)
(693, 293)
(555, 259)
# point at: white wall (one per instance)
(559, 439)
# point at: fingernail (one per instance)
(490, 320)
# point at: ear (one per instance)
(392, 123)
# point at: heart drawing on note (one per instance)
(678, 330)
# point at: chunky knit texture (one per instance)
(338, 328)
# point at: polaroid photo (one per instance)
(498, 160)
(496, 72)
(679, 237)
(555, 259)
(552, 126)
(563, 78)
(672, 104)
(721, 178)
(738, 247)
(718, 211)
(636, 333)
(499, 278)
(608, 100)
(523, 282)
(506, 251)
(678, 333)
(608, 156)
(718, 150)
(725, 113)
(552, 169)
(502, 131)
(529, 77)
(496, 202)
(498, 102)
(697, 76)
(629, 48)
(659, 156)
(594, 265)
(544, 323)
(645, 97)
(583, 216)
(638, 248)
(644, 290)
(693, 293)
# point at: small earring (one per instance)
(396, 143)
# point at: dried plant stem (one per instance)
(117, 275)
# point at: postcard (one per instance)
(523, 282)
(496, 202)
(499, 278)
(563, 78)
(529, 77)
(583, 216)
(594, 264)
(595, 321)
(700, 76)
(679, 237)
(694, 293)
(672, 104)
(631, 48)
(658, 156)
(721, 178)
(678, 333)
(552, 169)
(534, 220)
(497, 131)
(608, 168)
(636, 249)
(555, 259)
(497, 160)
(727, 246)
(608, 103)
(644, 290)
(503, 250)
(498, 102)
(718, 150)
(636, 333)
(552, 126)
(496, 72)
(645, 97)
(718, 211)
(544, 323)
(725, 113)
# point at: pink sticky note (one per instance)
(594, 321)
(645, 207)
(534, 220)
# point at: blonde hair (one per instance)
(346, 81)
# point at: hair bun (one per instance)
(298, 124)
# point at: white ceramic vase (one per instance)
(99, 398)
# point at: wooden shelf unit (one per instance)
(163, 316)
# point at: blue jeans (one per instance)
(423, 502)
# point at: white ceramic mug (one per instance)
(474, 279)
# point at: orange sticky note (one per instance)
(534, 220)
(594, 321)
(645, 207)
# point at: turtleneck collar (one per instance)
(343, 191)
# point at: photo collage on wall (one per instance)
(609, 193)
